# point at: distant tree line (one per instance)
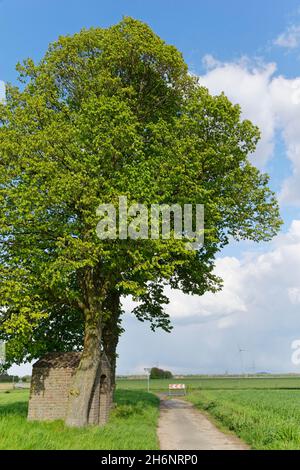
(6, 378)
(157, 373)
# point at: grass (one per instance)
(264, 419)
(264, 412)
(132, 426)
(215, 383)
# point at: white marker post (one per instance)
(148, 370)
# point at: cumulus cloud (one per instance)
(188, 309)
(247, 86)
(193, 309)
(294, 295)
(270, 101)
(289, 39)
(257, 280)
(258, 310)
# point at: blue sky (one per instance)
(252, 52)
(226, 29)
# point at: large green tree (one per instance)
(111, 112)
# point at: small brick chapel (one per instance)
(51, 380)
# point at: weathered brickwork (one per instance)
(51, 380)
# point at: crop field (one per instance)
(215, 383)
(263, 411)
(132, 426)
(264, 419)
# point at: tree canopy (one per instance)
(106, 113)
(157, 373)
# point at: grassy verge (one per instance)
(265, 419)
(132, 426)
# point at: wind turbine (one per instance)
(253, 367)
(241, 350)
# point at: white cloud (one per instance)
(294, 295)
(258, 309)
(290, 39)
(249, 87)
(270, 101)
(211, 306)
(186, 309)
(257, 281)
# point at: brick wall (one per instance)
(49, 394)
(50, 388)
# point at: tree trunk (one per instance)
(112, 330)
(84, 379)
(110, 348)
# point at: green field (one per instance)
(264, 419)
(132, 426)
(215, 383)
(263, 411)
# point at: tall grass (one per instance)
(265, 419)
(132, 426)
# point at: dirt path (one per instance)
(183, 427)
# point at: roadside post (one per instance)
(148, 371)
